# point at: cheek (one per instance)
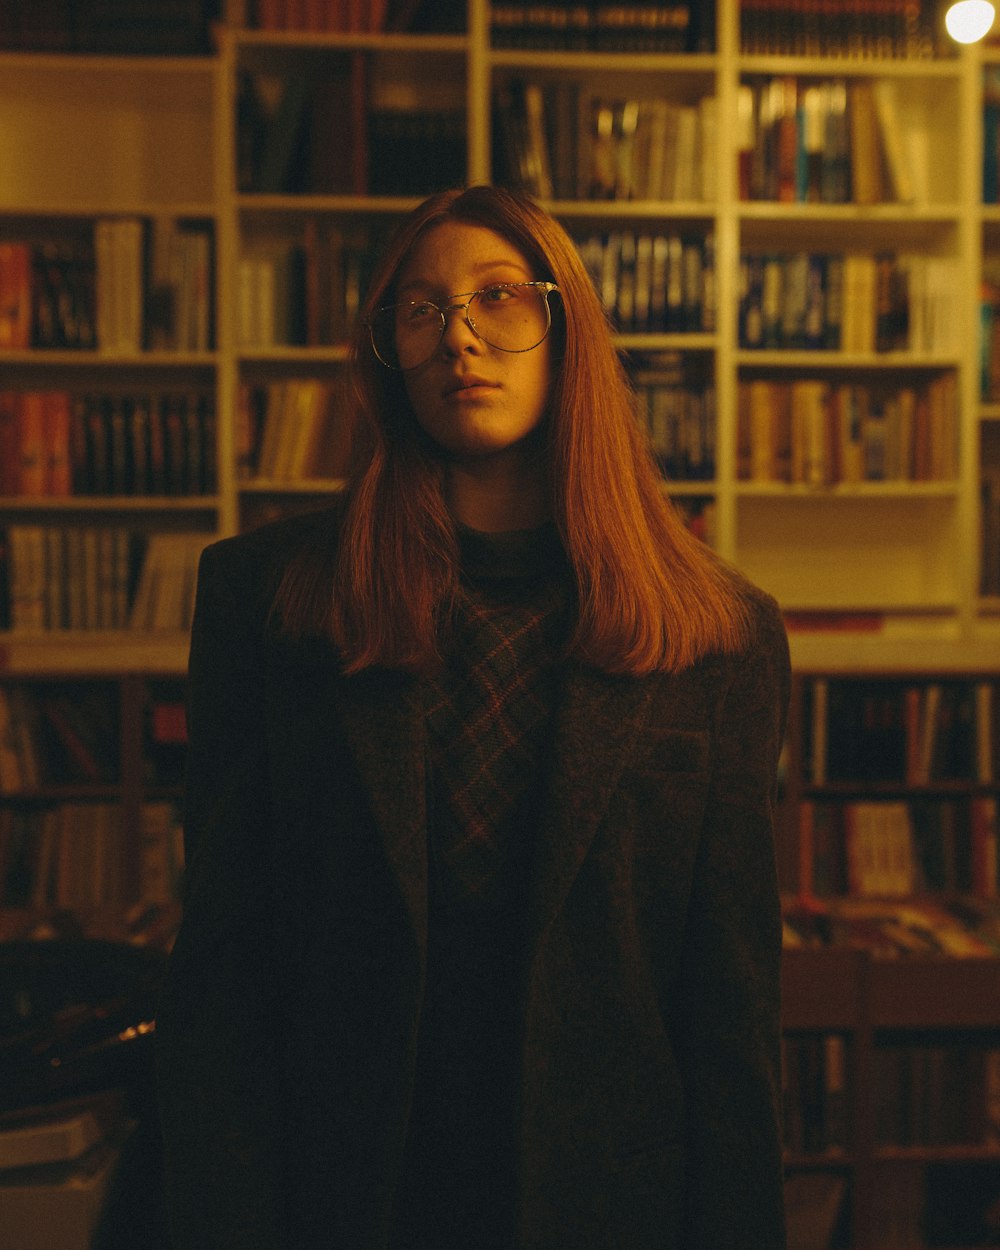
(533, 374)
(418, 395)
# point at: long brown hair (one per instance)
(649, 595)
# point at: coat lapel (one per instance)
(599, 721)
(383, 721)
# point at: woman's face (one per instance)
(473, 400)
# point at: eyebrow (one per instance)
(421, 284)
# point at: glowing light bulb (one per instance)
(969, 20)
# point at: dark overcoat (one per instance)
(648, 1116)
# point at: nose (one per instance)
(458, 335)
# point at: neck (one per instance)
(495, 494)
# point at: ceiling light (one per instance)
(968, 20)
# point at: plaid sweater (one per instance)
(489, 711)
(489, 715)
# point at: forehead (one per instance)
(459, 256)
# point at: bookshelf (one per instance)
(90, 782)
(890, 1100)
(873, 515)
(109, 399)
(881, 547)
(888, 860)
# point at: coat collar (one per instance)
(598, 722)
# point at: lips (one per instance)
(467, 381)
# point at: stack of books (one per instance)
(57, 1164)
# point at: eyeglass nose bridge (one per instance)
(465, 308)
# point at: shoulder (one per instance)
(758, 676)
(767, 624)
(760, 665)
(240, 575)
(260, 556)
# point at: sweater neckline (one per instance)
(511, 554)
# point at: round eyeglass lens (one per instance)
(512, 318)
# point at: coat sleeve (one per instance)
(729, 1026)
(214, 1034)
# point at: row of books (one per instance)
(652, 282)
(937, 1095)
(92, 577)
(814, 1077)
(816, 141)
(857, 302)
(303, 292)
(680, 418)
(152, 285)
(899, 731)
(841, 28)
(958, 927)
(413, 152)
(284, 138)
(47, 295)
(820, 433)
(349, 16)
(51, 737)
(893, 849)
(321, 133)
(71, 856)
(135, 284)
(57, 444)
(561, 140)
(124, 27)
(354, 16)
(991, 134)
(672, 27)
(292, 430)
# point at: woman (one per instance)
(481, 935)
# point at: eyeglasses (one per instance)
(510, 316)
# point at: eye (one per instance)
(498, 294)
(413, 314)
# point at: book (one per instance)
(338, 153)
(30, 418)
(119, 251)
(282, 167)
(880, 850)
(813, 1201)
(858, 324)
(164, 597)
(59, 1132)
(16, 287)
(893, 146)
(58, 1207)
(11, 768)
(984, 850)
(57, 419)
(161, 854)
